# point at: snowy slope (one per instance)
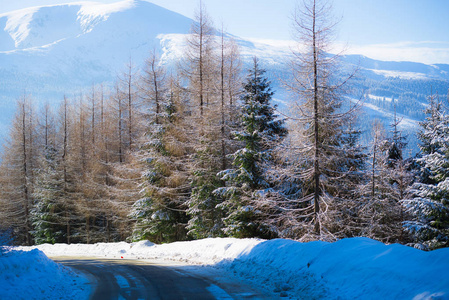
(85, 43)
(356, 268)
(75, 45)
(32, 275)
(54, 50)
(408, 70)
(50, 51)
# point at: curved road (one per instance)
(137, 279)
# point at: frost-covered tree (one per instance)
(129, 101)
(48, 210)
(400, 178)
(160, 215)
(64, 141)
(48, 226)
(322, 160)
(97, 206)
(153, 87)
(378, 209)
(429, 203)
(18, 164)
(199, 65)
(260, 132)
(396, 143)
(201, 69)
(105, 154)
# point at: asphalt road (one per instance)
(138, 279)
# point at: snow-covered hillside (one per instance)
(82, 43)
(54, 50)
(50, 51)
(356, 268)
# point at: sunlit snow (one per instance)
(356, 268)
(32, 275)
(400, 74)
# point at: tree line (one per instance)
(202, 152)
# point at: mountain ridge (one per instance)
(62, 49)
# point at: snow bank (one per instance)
(357, 268)
(347, 269)
(32, 275)
(207, 251)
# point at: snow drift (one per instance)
(32, 275)
(350, 268)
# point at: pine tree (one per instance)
(261, 131)
(160, 214)
(199, 65)
(129, 101)
(396, 143)
(48, 226)
(105, 155)
(48, 211)
(379, 209)
(201, 69)
(206, 214)
(400, 178)
(429, 203)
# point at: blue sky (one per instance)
(415, 30)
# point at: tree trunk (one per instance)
(316, 124)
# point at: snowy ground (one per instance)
(32, 275)
(351, 268)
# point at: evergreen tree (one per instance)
(400, 178)
(206, 214)
(349, 173)
(48, 210)
(379, 208)
(261, 131)
(202, 70)
(396, 143)
(160, 214)
(429, 203)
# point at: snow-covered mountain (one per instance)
(54, 50)
(83, 42)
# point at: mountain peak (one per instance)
(46, 25)
(38, 26)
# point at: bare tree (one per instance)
(199, 65)
(153, 88)
(321, 122)
(229, 88)
(127, 92)
(17, 164)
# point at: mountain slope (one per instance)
(54, 50)
(82, 43)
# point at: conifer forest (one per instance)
(200, 150)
